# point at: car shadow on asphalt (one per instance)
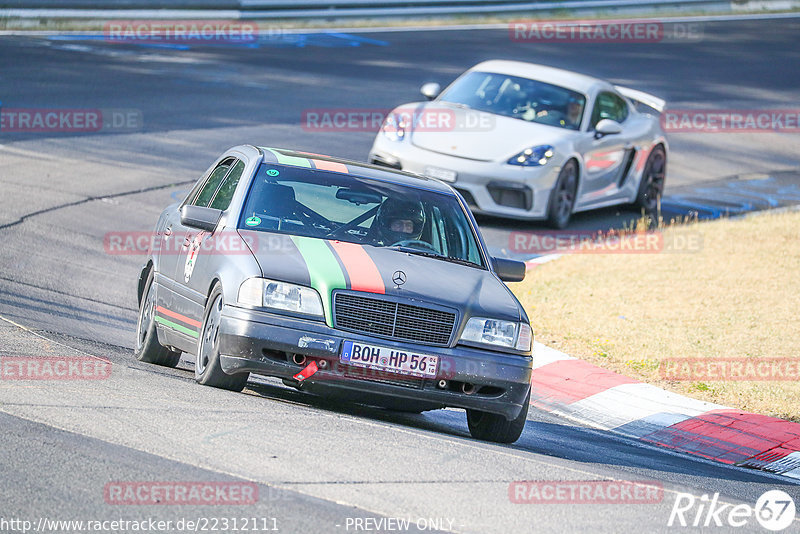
(544, 435)
(616, 217)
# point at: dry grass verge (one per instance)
(738, 296)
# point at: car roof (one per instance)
(297, 158)
(564, 78)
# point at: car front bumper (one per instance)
(264, 343)
(489, 187)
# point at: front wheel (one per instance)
(562, 199)
(493, 427)
(207, 369)
(148, 349)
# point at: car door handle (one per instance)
(187, 241)
(168, 231)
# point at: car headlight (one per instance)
(394, 127)
(535, 156)
(507, 334)
(266, 293)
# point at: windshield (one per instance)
(330, 205)
(519, 98)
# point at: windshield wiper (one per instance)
(435, 255)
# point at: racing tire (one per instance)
(148, 349)
(207, 368)
(494, 427)
(562, 198)
(651, 186)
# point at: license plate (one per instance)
(388, 359)
(441, 174)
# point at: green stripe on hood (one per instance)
(323, 268)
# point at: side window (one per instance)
(609, 106)
(225, 192)
(207, 191)
(438, 238)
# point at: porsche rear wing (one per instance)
(645, 98)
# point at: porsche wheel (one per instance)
(207, 369)
(562, 199)
(651, 186)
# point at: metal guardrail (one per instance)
(277, 9)
(367, 8)
(246, 4)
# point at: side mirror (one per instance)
(509, 270)
(606, 127)
(200, 217)
(430, 90)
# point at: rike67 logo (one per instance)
(774, 510)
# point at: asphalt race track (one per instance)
(318, 466)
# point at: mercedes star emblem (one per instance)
(399, 278)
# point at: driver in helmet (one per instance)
(571, 115)
(399, 220)
(574, 113)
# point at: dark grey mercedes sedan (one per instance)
(340, 278)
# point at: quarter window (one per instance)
(609, 106)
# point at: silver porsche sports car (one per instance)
(527, 141)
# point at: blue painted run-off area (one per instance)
(277, 38)
(734, 197)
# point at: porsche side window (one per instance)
(225, 192)
(213, 181)
(609, 106)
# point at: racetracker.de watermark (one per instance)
(226, 243)
(603, 31)
(585, 492)
(731, 120)
(54, 368)
(75, 120)
(596, 242)
(730, 369)
(398, 121)
(180, 493)
(181, 31)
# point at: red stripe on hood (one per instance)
(361, 270)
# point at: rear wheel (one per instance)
(493, 427)
(207, 368)
(148, 349)
(562, 199)
(651, 186)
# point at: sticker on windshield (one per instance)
(273, 172)
(253, 221)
